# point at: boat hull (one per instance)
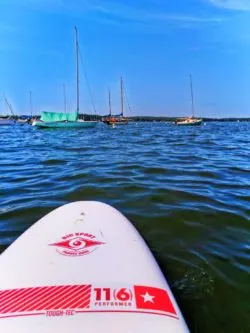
(191, 123)
(109, 122)
(69, 124)
(7, 122)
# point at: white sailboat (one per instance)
(8, 120)
(63, 119)
(190, 121)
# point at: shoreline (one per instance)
(89, 117)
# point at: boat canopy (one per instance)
(58, 116)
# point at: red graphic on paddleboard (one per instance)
(104, 299)
(123, 294)
(77, 244)
(51, 300)
(149, 298)
(69, 300)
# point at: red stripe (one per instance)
(81, 296)
(19, 299)
(85, 305)
(18, 303)
(50, 304)
(60, 302)
(93, 311)
(67, 303)
(77, 303)
(41, 296)
(128, 311)
(44, 303)
(13, 296)
(53, 303)
(44, 298)
(7, 294)
(22, 315)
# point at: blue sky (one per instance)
(154, 44)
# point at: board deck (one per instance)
(84, 268)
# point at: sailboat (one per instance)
(116, 119)
(8, 120)
(190, 121)
(63, 119)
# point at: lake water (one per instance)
(187, 190)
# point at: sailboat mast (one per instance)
(31, 105)
(77, 71)
(109, 104)
(64, 98)
(122, 106)
(9, 106)
(192, 94)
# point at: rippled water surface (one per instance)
(187, 190)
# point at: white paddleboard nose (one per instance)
(84, 265)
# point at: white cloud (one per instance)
(134, 13)
(114, 12)
(241, 5)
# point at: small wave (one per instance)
(185, 189)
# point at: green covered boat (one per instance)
(63, 119)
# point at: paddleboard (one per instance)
(84, 268)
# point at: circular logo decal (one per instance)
(77, 244)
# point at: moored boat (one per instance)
(66, 120)
(116, 119)
(8, 120)
(66, 124)
(189, 121)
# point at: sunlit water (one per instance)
(187, 190)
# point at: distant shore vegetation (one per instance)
(139, 118)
